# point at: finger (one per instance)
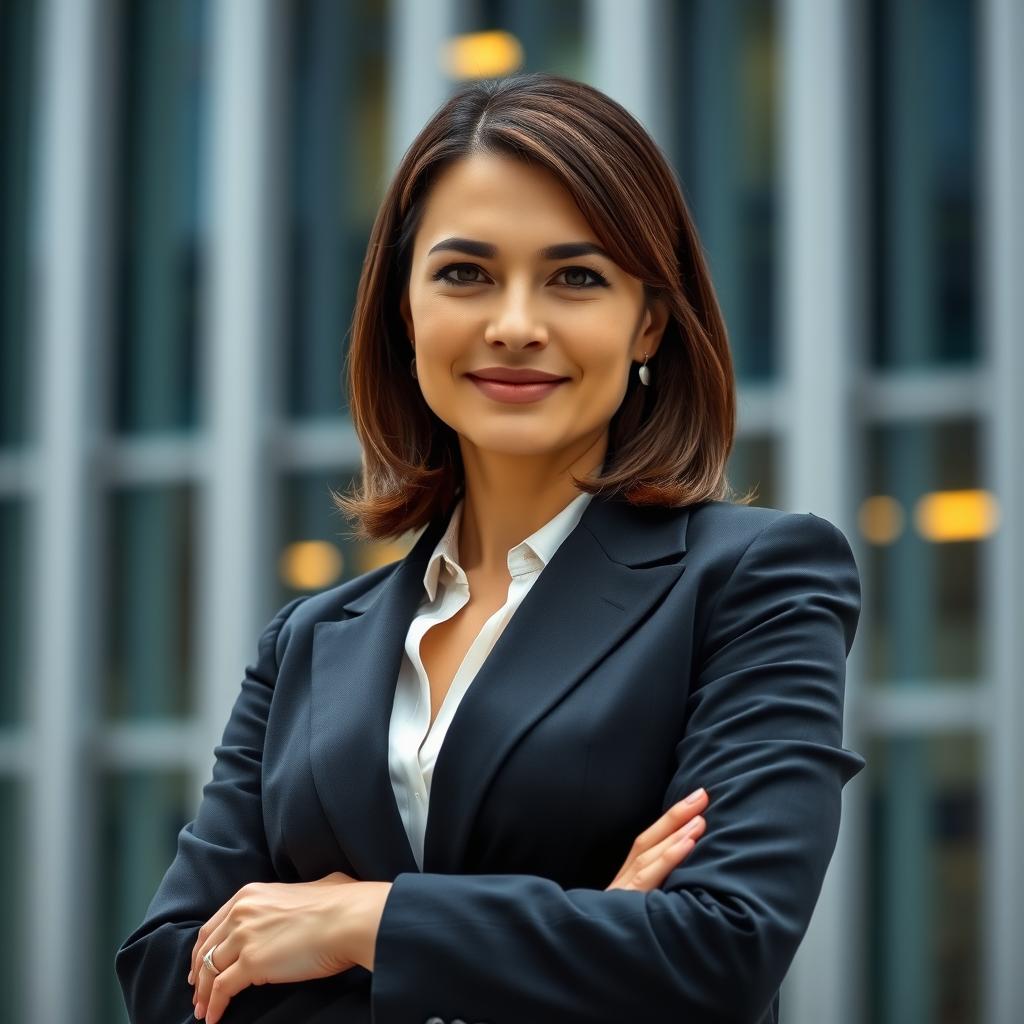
(678, 814)
(202, 941)
(226, 985)
(655, 873)
(223, 957)
(691, 830)
(207, 930)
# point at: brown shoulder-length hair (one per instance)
(668, 442)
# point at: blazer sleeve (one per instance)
(712, 945)
(218, 852)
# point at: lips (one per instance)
(509, 375)
(516, 392)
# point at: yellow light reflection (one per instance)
(482, 55)
(881, 519)
(311, 565)
(372, 556)
(944, 516)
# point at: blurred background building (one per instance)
(186, 191)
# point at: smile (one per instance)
(504, 391)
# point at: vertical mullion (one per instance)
(622, 55)
(240, 403)
(418, 82)
(718, 160)
(67, 381)
(1002, 196)
(817, 364)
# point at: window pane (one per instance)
(150, 646)
(141, 814)
(924, 119)
(316, 553)
(13, 889)
(162, 233)
(13, 618)
(925, 520)
(752, 465)
(18, 20)
(551, 35)
(925, 880)
(727, 80)
(336, 120)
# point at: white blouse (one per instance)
(414, 743)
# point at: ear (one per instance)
(655, 320)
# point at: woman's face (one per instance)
(508, 304)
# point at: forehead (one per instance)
(498, 199)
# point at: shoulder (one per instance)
(747, 549)
(730, 529)
(764, 564)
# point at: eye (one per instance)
(442, 275)
(598, 282)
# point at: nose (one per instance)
(515, 323)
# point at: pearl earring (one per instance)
(644, 372)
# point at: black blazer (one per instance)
(659, 650)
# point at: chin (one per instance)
(508, 442)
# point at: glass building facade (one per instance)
(186, 192)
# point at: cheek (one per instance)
(602, 361)
(444, 336)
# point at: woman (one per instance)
(541, 380)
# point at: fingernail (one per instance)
(200, 1012)
(190, 977)
(694, 796)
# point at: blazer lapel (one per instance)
(604, 578)
(354, 677)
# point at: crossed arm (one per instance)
(710, 943)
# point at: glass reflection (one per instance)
(140, 816)
(13, 612)
(925, 880)
(550, 35)
(13, 889)
(316, 551)
(727, 81)
(18, 29)
(752, 465)
(923, 113)
(162, 236)
(149, 666)
(923, 592)
(335, 121)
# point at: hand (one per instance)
(271, 932)
(663, 846)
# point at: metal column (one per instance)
(239, 400)
(67, 380)
(418, 83)
(818, 370)
(628, 51)
(1002, 305)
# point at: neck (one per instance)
(509, 497)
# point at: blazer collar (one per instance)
(614, 566)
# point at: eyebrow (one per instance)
(563, 251)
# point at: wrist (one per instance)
(365, 922)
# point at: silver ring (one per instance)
(208, 959)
